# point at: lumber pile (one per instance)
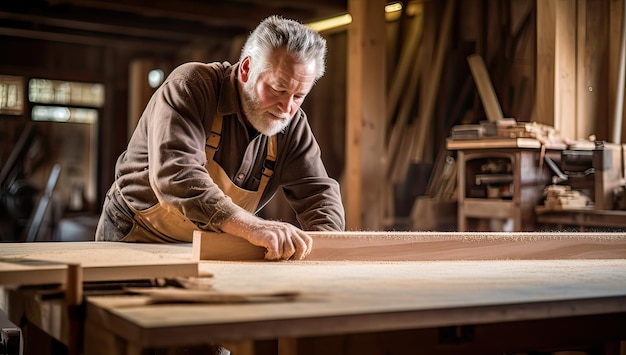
(417, 75)
(417, 104)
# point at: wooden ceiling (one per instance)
(168, 22)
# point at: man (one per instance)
(215, 143)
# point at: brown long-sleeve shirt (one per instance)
(166, 154)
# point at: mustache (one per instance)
(281, 115)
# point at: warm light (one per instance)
(391, 12)
(393, 7)
(330, 23)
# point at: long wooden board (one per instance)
(487, 94)
(41, 263)
(417, 246)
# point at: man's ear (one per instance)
(244, 70)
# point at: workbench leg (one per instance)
(100, 341)
(243, 347)
(287, 346)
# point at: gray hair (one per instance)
(275, 32)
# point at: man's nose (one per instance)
(285, 104)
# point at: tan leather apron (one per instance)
(165, 223)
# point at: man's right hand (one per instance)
(283, 241)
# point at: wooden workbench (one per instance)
(340, 298)
(372, 307)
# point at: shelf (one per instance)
(492, 143)
(490, 179)
(488, 208)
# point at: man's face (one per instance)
(270, 101)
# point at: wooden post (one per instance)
(545, 67)
(365, 124)
(617, 67)
(556, 30)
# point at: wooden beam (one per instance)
(365, 125)
(545, 67)
(593, 116)
(617, 67)
(556, 65)
(224, 14)
(565, 95)
(417, 246)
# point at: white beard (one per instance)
(258, 118)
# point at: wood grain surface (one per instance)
(337, 297)
(40, 263)
(416, 246)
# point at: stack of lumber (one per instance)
(417, 75)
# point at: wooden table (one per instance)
(446, 307)
(485, 205)
(374, 307)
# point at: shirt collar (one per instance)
(229, 95)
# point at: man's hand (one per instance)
(283, 241)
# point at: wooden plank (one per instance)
(454, 144)
(40, 263)
(487, 94)
(418, 246)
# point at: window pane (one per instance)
(45, 91)
(64, 114)
(11, 89)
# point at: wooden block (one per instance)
(47, 262)
(223, 246)
(422, 246)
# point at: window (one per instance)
(65, 101)
(11, 95)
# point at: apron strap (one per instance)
(215, 137)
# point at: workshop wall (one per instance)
(518, 39)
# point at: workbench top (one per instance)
(339, 297)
